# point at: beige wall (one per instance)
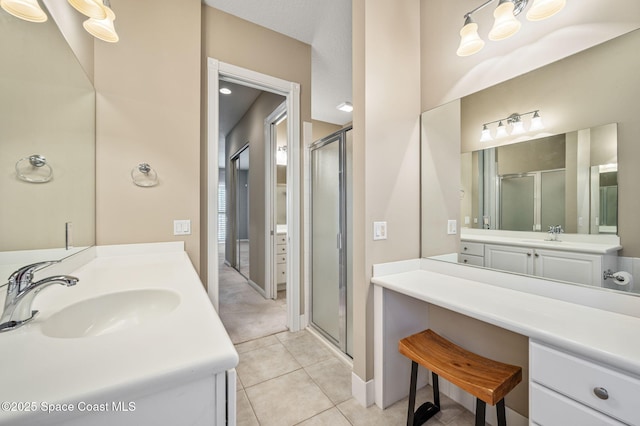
(148, 110)
(70, 23)
(386, 147)
(238, 42)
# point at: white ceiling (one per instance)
(323, 24)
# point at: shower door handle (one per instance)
(339, 242)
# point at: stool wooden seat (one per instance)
(488, 380)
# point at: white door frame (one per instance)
(270, 194)
(216, 70)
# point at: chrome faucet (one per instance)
(21, 290)
(554, 231)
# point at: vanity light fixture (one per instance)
(99, 24)
(103, 29)
(29, 10)
(345, 106)
(506, 24)
(90, 8)
(515, 122)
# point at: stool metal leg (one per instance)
(502, 417)
(412, 393)
(436, 389)
(480, 409)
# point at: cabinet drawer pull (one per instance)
(465, 261)
(529, 254)
(465, 248)
(601, 393)
(537, 255)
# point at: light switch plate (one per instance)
(379, 231)
(182, 227)
(452, 227)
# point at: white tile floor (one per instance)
(287, 379)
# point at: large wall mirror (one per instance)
(47, 146)
(567, 180)
(578, 171)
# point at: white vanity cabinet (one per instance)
(568, 389)
(471, 253)
(281, 259)
(582, 268)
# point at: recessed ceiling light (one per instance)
(345, 106)
(225, 91)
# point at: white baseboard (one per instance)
(363, 392)
(257, 288)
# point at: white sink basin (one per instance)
(110, 313)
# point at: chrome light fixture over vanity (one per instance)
(506, 24)
(99, 24)
(514, 121)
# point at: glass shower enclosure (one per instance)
(331, 242)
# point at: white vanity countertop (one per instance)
(609, 337)
(183, 345)
(537, 240)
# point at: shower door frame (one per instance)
(341, 239)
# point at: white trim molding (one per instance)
(291, 91)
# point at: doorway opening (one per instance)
(257, 200)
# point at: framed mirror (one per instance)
(47, 146)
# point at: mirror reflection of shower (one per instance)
(240, 197)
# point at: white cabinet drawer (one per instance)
(475, 249)
(281, 273)
(281, 249)
(281, 238)
(578, 378)
(281, 258)
(471, 260)
(549, 408)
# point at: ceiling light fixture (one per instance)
(225, 91)
(345, 106)
(506, 24)
(29, 10)
(514, 121)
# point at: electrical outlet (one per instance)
(182, 227)
(452, 227)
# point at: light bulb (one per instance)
(91, 8)
(536, 123)
(470, 41)
(518, 128)
(102, 29)
(506, 23)
(29, 10)
(486, 134)
(501, 132)
(543, 9)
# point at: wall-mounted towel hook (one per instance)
(143, 175)
(34, 169)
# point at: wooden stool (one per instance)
(489, 381)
